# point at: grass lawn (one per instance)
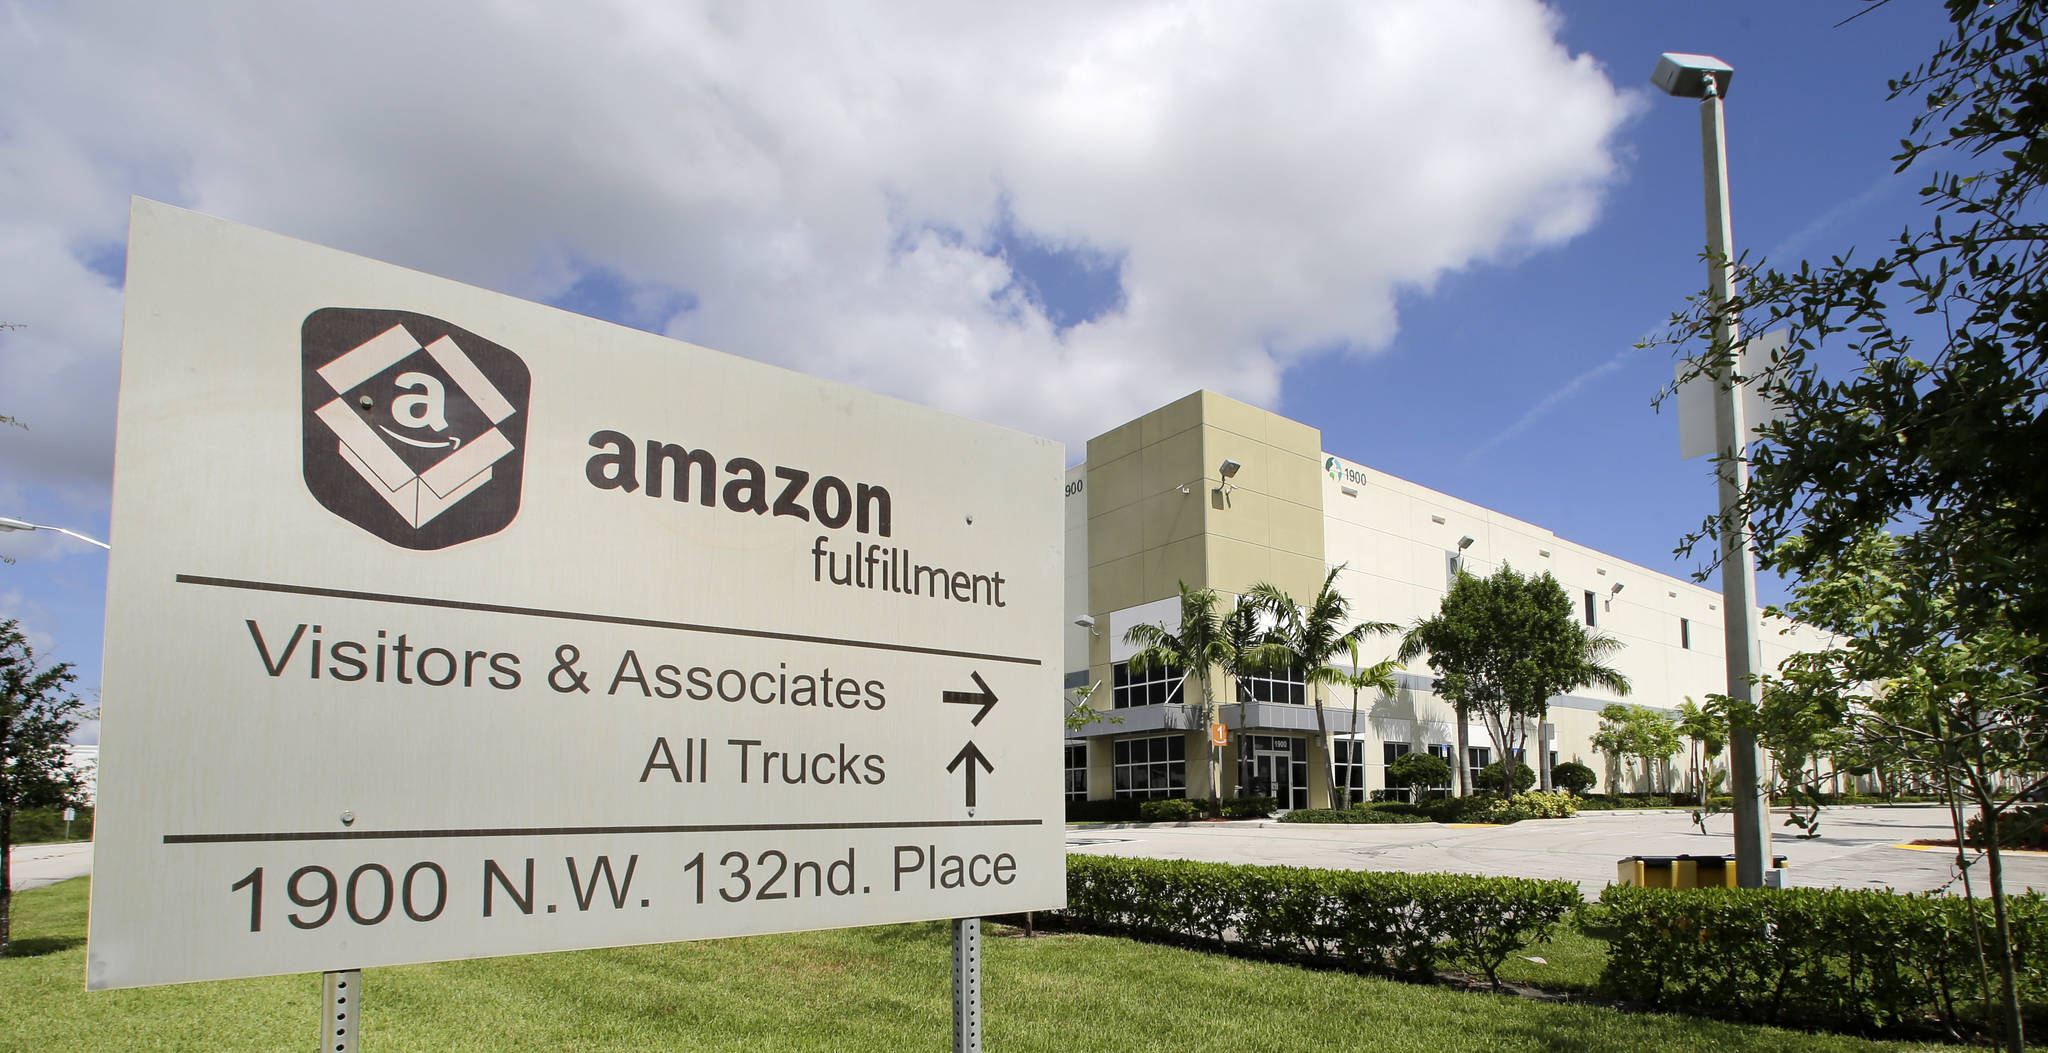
(882, 989)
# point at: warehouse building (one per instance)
(1222, 495)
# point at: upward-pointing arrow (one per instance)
(984, 698)
(970, 755)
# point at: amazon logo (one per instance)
(414, 429)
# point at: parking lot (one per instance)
(1857, 847)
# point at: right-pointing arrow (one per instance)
(970, 755)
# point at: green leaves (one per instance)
(1838, 958)
(1402, 924)
(1503, 645)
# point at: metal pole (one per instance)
(341, 1011)
(1738, 549)
(966, 985)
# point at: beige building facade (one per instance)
(1152, 507)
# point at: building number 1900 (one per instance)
(367, 896)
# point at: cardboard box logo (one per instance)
(414, 429)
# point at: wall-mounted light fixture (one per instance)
(1226, 471)
(1464, 542)
(1087, 622)
(1612, 593)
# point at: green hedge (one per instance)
(1835, 958)
(1403, 924)
(1171, 810)
(1110, 811)
(1249, 807)
(2022, 827)
(1557, 804)
(41, 825)
(1349, 815)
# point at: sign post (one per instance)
(446, 625)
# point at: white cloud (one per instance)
(823, 179)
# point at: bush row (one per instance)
(39, 825)
(1172, 809)
(1401, 924)
(1354, 814)
(2023, 827)
(1837, 958)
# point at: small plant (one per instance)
(1494, 777)
(1573, 777)
(1419, 770)
(2023, 827)
(1171, 810)
(1535, 805)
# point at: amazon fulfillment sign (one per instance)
(442, 625)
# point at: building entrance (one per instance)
(1279, 769)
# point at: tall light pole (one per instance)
(1706, 78)
(7, 523)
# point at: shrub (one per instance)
(1404, 924)
(1493, 777)
(1348, 815)
(1572, 776)
(1248, 807)
(1116, 810)
(1535, 805)
(1460, 809)
(1841, 958)
(1418, 769)
(2023, 827)
(1170, 810)
(1420, 811)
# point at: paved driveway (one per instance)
(1856, 847)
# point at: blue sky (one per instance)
(1432, 229)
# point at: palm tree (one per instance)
(1198, 644)
(1313, 636)
(1708, 736)
(1378, 676)
(1253, 648)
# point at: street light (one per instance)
(1706, 78)
(18, 524)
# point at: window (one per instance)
(1283, 685)
(1150, 767)
(1476, 758)
(1685, 633)
(1077, 771)
(1350, 758)
(1589, 607)
(1446, 752)
(1389, 753)
(1157, 684)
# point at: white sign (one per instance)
(442, 624)
(1697, 396)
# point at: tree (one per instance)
(1195, 647)
(36, 720)
(1250, 646)
(1708, 735)
(1573, 777)
(1311, 636)
(1912, 392)
(1494, 778)
(1418, 770)
(1502, 646)
(1963, 707)
(1378, 676)
(1638, 732)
